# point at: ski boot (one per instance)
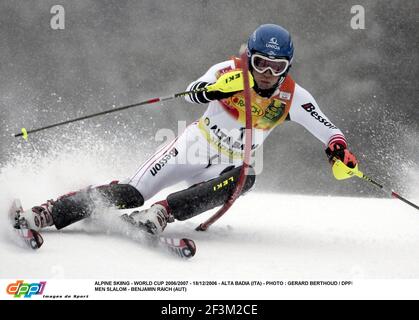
(153, 220)
(39, 216)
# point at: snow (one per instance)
(264, 235)
(281, 236)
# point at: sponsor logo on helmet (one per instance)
(273, 43)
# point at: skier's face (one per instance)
(265, 80)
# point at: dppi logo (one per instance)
(20, 288)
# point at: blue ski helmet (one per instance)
(272, 41)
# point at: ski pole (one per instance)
(24, 133)
(247, 83)
(342, 171)
(229, 82)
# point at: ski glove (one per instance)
(337, 150)
(218, 95)
(225, 87)
(205, 97)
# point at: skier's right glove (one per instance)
(218, 95)
(203, 96)
(339, 151)
(227, 85)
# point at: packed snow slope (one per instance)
(274, 236)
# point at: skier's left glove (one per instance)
(339, 151)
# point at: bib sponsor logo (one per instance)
(284, 95)
(27, 290)
(159, 165)
(310, 108)
(227, 140)
(274, 111)
(266, 113)
(257, 111)
(239, 103)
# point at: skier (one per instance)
(217, 138)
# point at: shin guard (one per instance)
(207, 195)
(79, 205)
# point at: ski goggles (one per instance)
(261, 64)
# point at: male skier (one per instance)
(210, 150)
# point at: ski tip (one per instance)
(15, 207)
(189, 248)
(16, 203)
(31, 237)
(36, 239)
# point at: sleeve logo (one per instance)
(310, 108)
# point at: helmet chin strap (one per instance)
(267, 93)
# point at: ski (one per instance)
(184, 248)
(181, 247)
(30, 237)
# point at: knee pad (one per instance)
(124, 196)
